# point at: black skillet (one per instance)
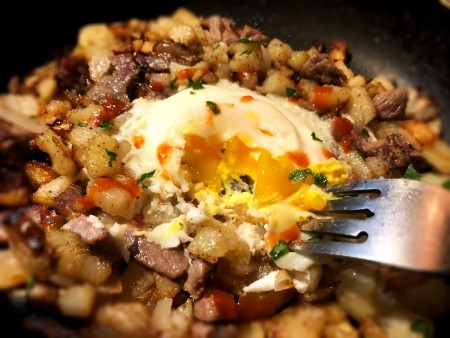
(404, 39)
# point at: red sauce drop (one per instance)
(341, 127)
(322, 97)
(138, 141)
(328, 154)
(246, 98)
(299, 158)
(163, 152)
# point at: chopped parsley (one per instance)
(82, 124)
(30, 283)
(112, 156)
(299, 174)
(105, 125)
(247, 41)
(412, 174)
(246, 52)
(291, 92)
(82, 106)
(213, 107)
(173, 82)
(195, 85)
(421, 326)
(216, 46)
(192, 92)
(365, 132)
(320, 180)
(315, 138)
(446, 184)
(144, 177)
(280, 249)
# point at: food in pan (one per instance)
(155, 180)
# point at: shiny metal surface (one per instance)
(407, 225)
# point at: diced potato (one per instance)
(279, 51)
(13, 274)
(60, 154)
(213, 241)
(420, 131)
(360, 106)
(276, 83)
(79, 264)
(84, 114)
(121, 320)
(297, 60)
(183, 34)
(39, 173)
(102, 156)
(137, 282)
(47, 193)
(437, 154)
(115, 201)
(77, 300)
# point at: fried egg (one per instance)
(224, 146)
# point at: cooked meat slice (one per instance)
(216, 305)
(221, 29)
(250, 33)
(319, 68)
(196, 279)
(205, 330)
(394, 151)
(73, 74)
(86, 228)
(175, 52)
(169, 262)
(65, 204)
(391, 104)
(114, 85)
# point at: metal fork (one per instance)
(397, 222)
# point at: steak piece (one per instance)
(197, 275)
(169, 262)
(86, 228)
(391, 104)
(321, 69)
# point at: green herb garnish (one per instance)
(30, 283)
(246, 41)
(112, 156)
(105, 125)
(82, 124)
(299, 174)
(365, 132)
(213, 107)
(291, 92)
(421, 326)
(144, 177)
(246, 52)
(216, 46)
(82, 106)
(280, 249)
(412, 174)
(315, 138)
(195, 85)
(173, 82)
(446, 184)
(320, 180)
